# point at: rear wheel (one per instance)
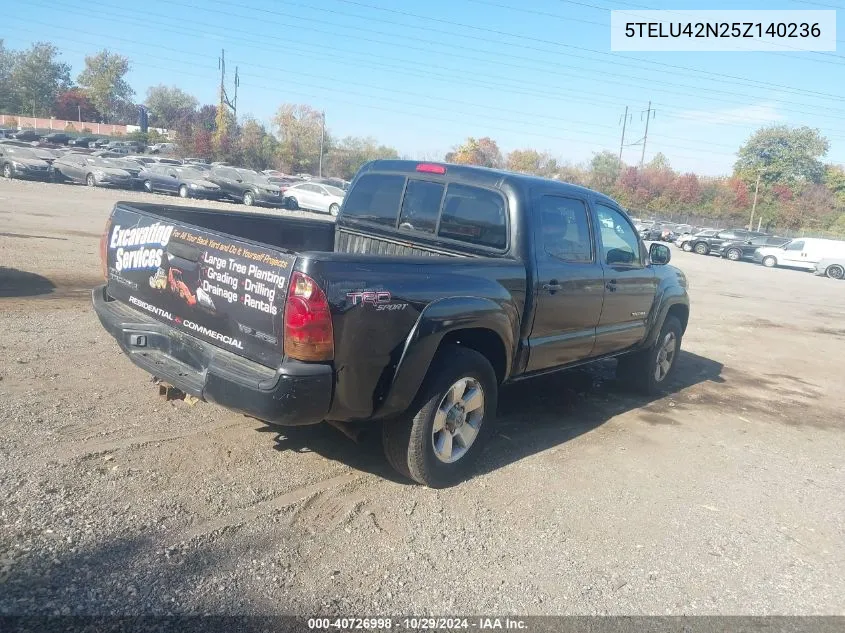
(701, 248)
(90, 180)
(7, 171)
(734, 254)
(770, 262)
(647, 371)
(686, 246)
(835, 272)
(293, 204)
(334, 209)
(249, 199)
(437, 440)
(183, 191)
(148, 186)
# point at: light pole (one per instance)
(754, 204)
(79, 110)
(322, 136)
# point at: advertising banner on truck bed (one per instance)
(222, 290)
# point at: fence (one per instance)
(63, 125)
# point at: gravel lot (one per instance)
(726, 496)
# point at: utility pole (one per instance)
(754, 204)
(79, 111)
(235, 100)
(624, 125)
(322, 136)
(648, 116)
(224, 98)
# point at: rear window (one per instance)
(421, 206)
(474, 215)
(375, 198)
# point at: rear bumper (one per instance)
(296, 394)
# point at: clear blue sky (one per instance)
(422, 76)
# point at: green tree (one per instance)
(169, 105)
(605, 170)
(257, 148)
(783, 155)
(37, 78)
(483, 152)
(530, 161)
(104, 82)
(298, 128)
(8, 98)
(659, 162)
(346, 156)
(834, 180)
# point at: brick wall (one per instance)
(59, 125)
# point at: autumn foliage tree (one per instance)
(484, 152)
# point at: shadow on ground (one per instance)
(533, 416)
(20, 283)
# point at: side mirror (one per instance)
(659, 254)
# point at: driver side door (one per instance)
(629, 282)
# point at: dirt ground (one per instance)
(726, 496)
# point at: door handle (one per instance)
(553, 286)
(611, 285)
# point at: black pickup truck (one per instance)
(437, 284)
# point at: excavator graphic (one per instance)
(179, 287)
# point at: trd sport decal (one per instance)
(380, 299)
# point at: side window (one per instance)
(565, 229)
(375, 198)
(620, 245)
(774, 241)
(474, 215)
(796, 246)
(421, 205)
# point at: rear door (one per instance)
(629, 282)
(570, 281)
(793, 254)
(213, 287)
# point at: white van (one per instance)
(803, 252)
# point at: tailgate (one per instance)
(217, 288)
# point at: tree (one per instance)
(784, 155)
(8, 98)
(834, 180)
(104, 83)
(574, 174)
(168, 105)
(605, 169)
(74, 105)
(685, 189)
(530, 161)
(298, 128)
(37, 78)
(659, 162)
(257, 148)
(346, 156)
(483, 152)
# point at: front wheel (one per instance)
(835, 272)
(770, 262)
(648, 371)
(148, 186)
(7, 171)
(334, 209)
(701, 248)
(183, 191)
(734, 254)
(686, 246)
(249, 199)
(90, 180)
(293, 205)
(436, 441)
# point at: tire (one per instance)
(835, 271)
(734, 254)
(249, 198)
(769, 261)
(7, 171)
(639, 370)
(148, 186)
(701, 248)
(293, 204)
(183, 192)
(686, 246)
(90, 180)
(334, 209)
(412, 445)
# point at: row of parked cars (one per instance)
(192, 178)
(822, 256)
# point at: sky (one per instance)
(422, 76)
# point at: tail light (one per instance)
(104, 249)
(308, 322)
(431, 168)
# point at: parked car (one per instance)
(185, 181)
(6, 132)
(143, 159)
(521, 277)
(81, 141)
(15, 142)
(59, 138)
(162, 148)
(23, 162)
(833, 267)
(707, 244)
(744, 249)
(195, 161)
(133, 167)
(92, 171)
(684, 242)
(314, 197)
(803, 253)
(247, 186)
(27, 135)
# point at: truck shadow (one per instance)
(20, 283)
(533, 416)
